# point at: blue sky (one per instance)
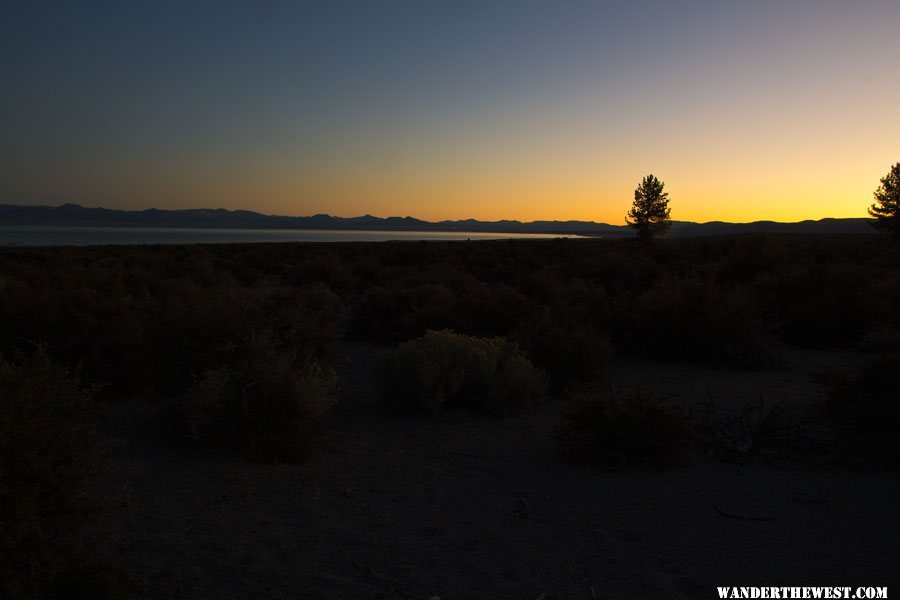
(450, 109)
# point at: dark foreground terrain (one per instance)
(572, 419)
(458, 507)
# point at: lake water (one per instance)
(90, 236)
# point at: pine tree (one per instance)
(886, 209)
(649, 215)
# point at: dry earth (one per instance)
(465, 507)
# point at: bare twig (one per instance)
(739, 517)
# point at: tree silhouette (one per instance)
(649, 214)
(886, 209)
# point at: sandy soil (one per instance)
(466, 507)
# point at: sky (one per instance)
(438, 109)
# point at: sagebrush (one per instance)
(443, 369)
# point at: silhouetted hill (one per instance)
(689, 229)
(75, 215)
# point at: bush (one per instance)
(760, 429)
(307, 318)
(492, 310)
(443, 369)
(636, 429)
(47, 430)
(824, 305)
(865, 408)
(869, 402)
(570, 356)
(147, 320)
(882, 338)
(394, 312)
(261, 402)
(689, 319)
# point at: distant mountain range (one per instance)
(75, 215)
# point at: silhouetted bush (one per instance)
(47, 431)
(865, 409)
(633, 429)
(308, 319)
(869, 400)
(760, 429)
(392, 313)
(744, 259)
(692, 319)
(147, 320)
(492, 309)
(261, 401)
(822, 305)
(881, 339)
(570, 355)
(443, 369)
(101, 581)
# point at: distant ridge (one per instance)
(75, 215)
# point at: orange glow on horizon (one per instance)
(778, 113)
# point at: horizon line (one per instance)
(434, 222)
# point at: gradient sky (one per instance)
(442, 110)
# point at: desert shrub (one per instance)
(147, 320)
(308, 318)
(261, 401)
(746, 258)
(586, 305)
(568, 354)
(321, 314)
(865, 408)
(47, 430)
(760, 429)
(881, 339)
(633, 429)
(567, 335)
(443, 369)
(693, 319)
(823, 305)
(321, 266)
(188, 327)
(543, 287)
(101, 581)
(621, 268)
(869, 400)
(492, 310)
(396, 312)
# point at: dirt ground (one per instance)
(459, 506)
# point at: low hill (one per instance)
(75, 215)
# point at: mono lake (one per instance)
(90, 236)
